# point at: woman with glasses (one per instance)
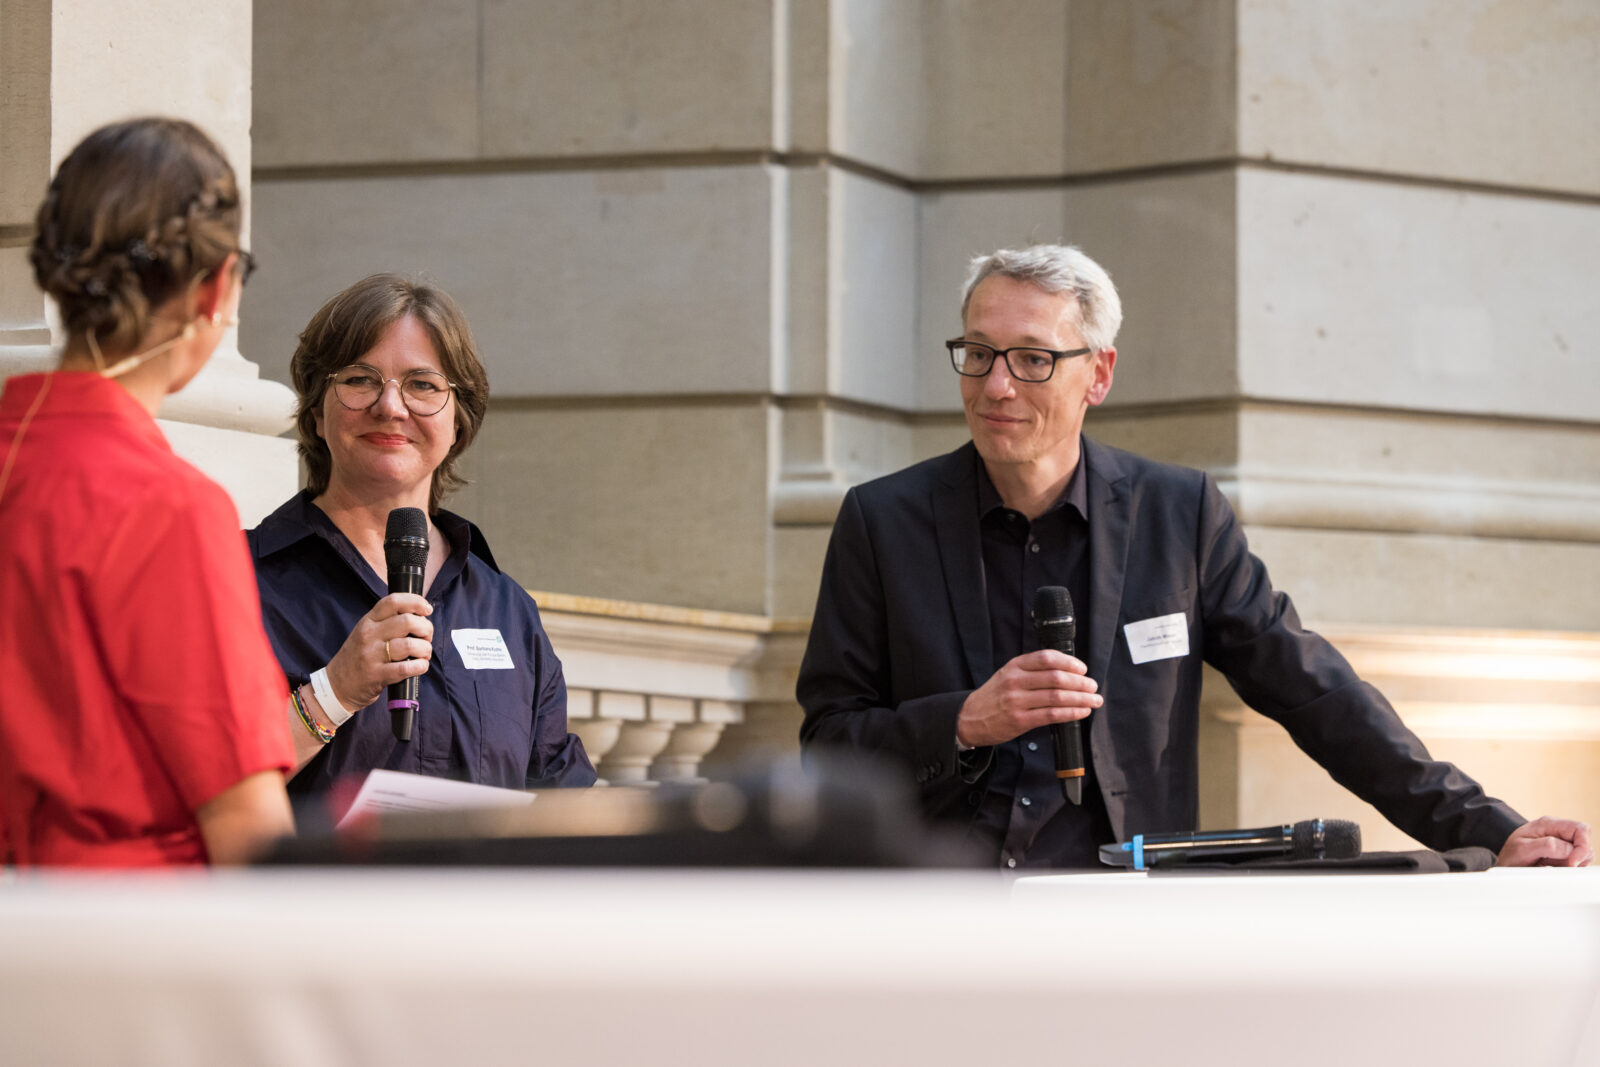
(390, 394)
(141, 719)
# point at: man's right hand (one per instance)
(1035, 689)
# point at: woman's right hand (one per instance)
(392, 642)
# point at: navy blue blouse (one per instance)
(495, 726)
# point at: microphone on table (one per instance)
(405, 554)
(1056, 626)
(1309, 839)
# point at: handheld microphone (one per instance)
(1056, 626)
(405, 553)
(1309, 839)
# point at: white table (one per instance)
(307, 967)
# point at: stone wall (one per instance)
(711, 249)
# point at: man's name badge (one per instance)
(1162, 637)
(482, 649)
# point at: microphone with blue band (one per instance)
(1309, 839)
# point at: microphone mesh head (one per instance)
(405, 538)
(1052, 602)
(1053, 621)
(1341, 840)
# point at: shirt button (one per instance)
(1033, 546)
(1025, 802)
(1033, 746)
(1011, 862)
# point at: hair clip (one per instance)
(66, 253)
(139, 253)
(95, 287)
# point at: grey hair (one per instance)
(1057, 269)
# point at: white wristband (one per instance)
(330, 703)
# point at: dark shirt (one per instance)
(494, 726)
(1019, 558)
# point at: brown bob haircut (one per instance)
(135, 213)
(349, 326)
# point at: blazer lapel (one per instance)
(1109, 508)
(955, 515)
(1108, 554)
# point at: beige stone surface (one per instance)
(1364, 293)
(613, 282)
(872, 291)
(664, 504)
(1149, 84)
(805, 250)
(932, 90)
(628, 707)
(1169, 244)
(671, 709)
(802, 56)
(998, 100)
(366, 81)
(22, 305)
(25, 159)
(1498, 91)
(116, 61)
(1433, 580)
(259, 472)
(797, 554)
(1388, 470)
(841, 443)
(1204, 436)
(844, 286)
(1408, 443)
(879, 84)
(587, 77)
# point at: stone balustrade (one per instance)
(656, 692)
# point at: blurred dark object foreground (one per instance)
(1419, 861)
(837, 812)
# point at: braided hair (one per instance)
(135, 213)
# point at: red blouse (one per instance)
(135, 680)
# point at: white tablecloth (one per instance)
(306, 968)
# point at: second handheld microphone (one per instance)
(1056, 626)
(405, 554)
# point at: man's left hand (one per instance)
(1547, 842)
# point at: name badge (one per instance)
(482, 649)
(1162, 637)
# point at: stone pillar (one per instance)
(68, 66)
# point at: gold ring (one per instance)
(386, 653)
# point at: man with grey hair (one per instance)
(922, 650)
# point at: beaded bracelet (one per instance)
(305, 716)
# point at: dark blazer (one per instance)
(901, 636)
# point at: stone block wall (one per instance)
(711, 249)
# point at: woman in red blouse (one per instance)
(141, 711)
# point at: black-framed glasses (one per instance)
(247, 264)
(974, 360)
(424, 392)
